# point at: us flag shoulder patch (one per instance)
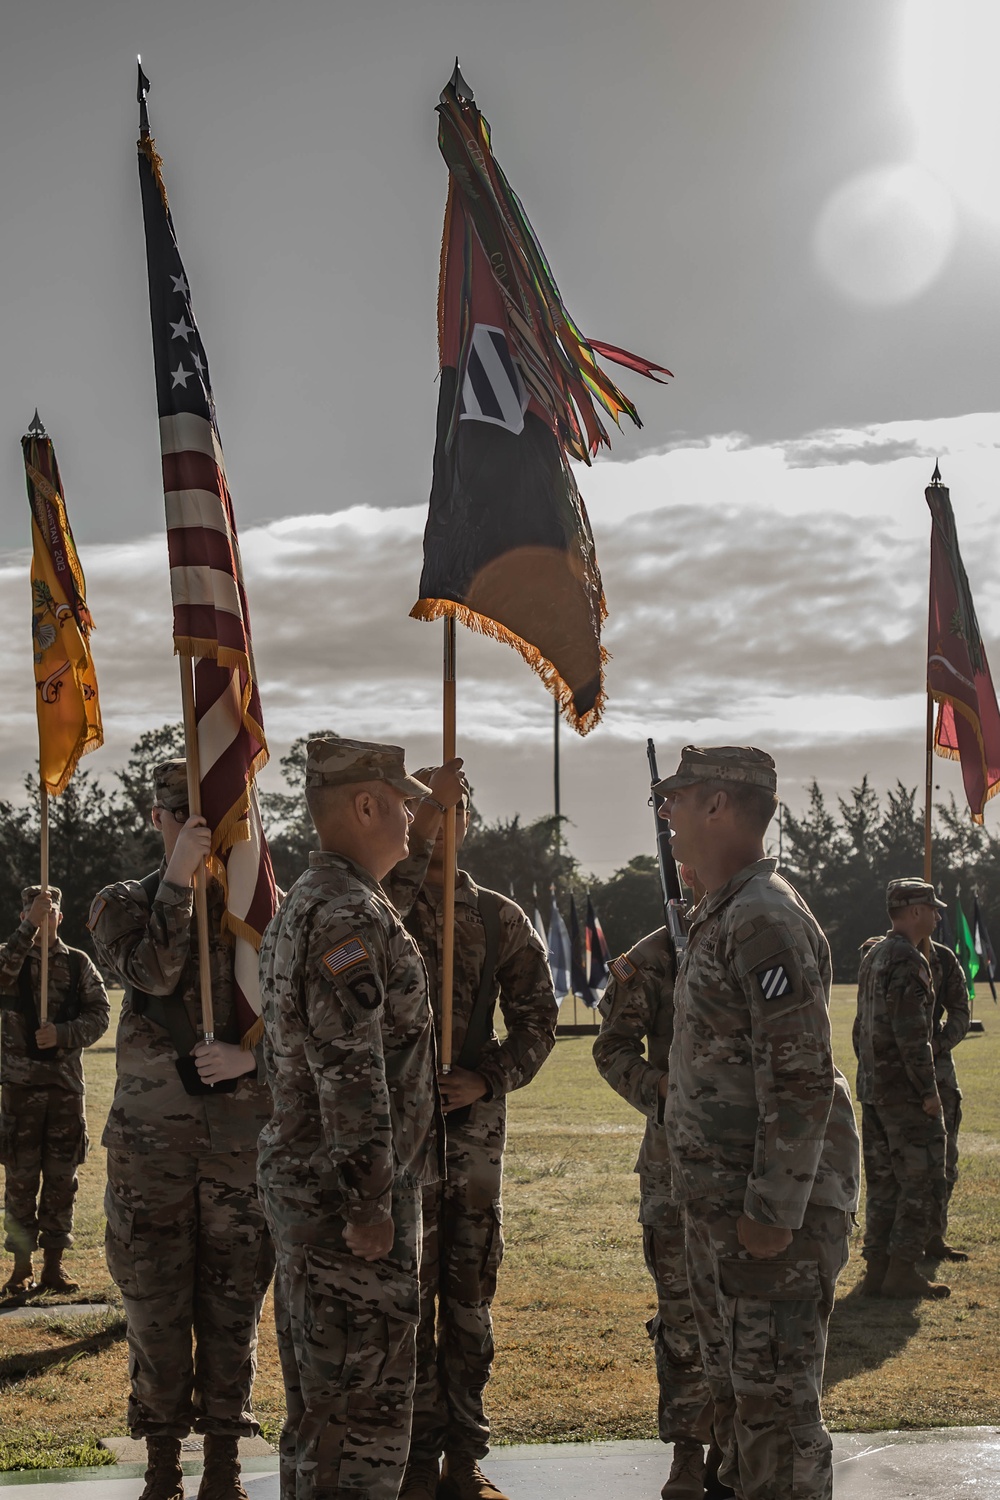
(774, 982)
(99, 903)
(623, 968)
(346, 955)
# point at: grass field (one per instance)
(573, 1361)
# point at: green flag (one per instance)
(966, 949)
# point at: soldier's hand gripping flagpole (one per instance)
(448, 891)
(673, 897)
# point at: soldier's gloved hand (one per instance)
(193, 844)
(45, 1036)
(42, 907)
(370, 1241)
(762, 1241)
(932, 1106)
(461, 1087)
(218, 1060)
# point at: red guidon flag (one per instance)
(211, 618)
(958, 674)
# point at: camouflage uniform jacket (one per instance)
(527, 1002)
(951, 1011)
(155, 949)
(638, 1006)
(349, 1053)
(757, 1114)
(65, 1069)
(892, 1031)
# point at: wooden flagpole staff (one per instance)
(43, 982)
(201, 877)
(448, 892)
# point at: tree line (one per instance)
(838, 857)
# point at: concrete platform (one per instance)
(943, 1464)
(53, 1312)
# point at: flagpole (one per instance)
(555, 764)
(43, 982)
(200, 878)
(448, 893)
(928, 787)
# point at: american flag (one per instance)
(211, 618)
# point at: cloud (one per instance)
(753, 600)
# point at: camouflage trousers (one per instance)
(763, 1329)
(906, 1198)
(346, 1336)
(463, 1248)
(951, 1103)
(684, 1408)
(43, 1139)
(188, 1248)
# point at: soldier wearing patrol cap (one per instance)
(355, 1133)
(43, 1127)
(901, 1117)
(186, 1241)
(760, 1129)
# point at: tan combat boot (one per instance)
(936, 1249)
(686, 1480)
(904, 1280)
(420, 1482)
(876, 1267)
(54, 1278)
(21, 1280)
(463, 1479)
(164, 1475)
(221, 1479)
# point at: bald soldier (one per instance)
(902, 1124)
(631, 1053)
(43, 1126)
(354, 1137)
(186, 1240)
(760, 1128)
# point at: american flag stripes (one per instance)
(211, 618)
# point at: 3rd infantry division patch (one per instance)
(346, 955)
(774, 982)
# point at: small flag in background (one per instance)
(578, 961)
(559, 953)
(965, 948)
(211, 618)
(598, 954)
(983, 946)
(539, 926)
(68, 708)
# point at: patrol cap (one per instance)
(909, 891)
(739, 763)
(426, 772)
(31, 891)
(332, 761)
(170, 785)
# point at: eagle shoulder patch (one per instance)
(345, 956)
(623, 969)
(774, 982)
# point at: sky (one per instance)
(792, 205)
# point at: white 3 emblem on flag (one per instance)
(492, 390)
(774, 982)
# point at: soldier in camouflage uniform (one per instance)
(186, 1240)
(354, 1137)
(951, 1024)
(901, 1122)
(498, 958)
(43, 1126)
(760, 1128)
(638, 1009)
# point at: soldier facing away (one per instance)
(499, 959)
(760, 1129)
(186, 1240)
(901, 1120)
(638, 1011)
(43, 1126)
(951, 1023)
(354, 1137)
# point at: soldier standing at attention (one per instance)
(951, 1024)
(901, 1122)
(638, 1011)
(43, 1127)
(186, 1240)
(760, 1128)
(354, 1137)
(498, 958)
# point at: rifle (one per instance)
(674, 905)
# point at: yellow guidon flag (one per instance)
(69, 712)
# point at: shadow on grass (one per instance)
(87, 1336)
(866, 1332)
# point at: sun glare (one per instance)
(949, 57)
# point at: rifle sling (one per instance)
(480, 1027)
(69, 1010)
(167, 1011)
